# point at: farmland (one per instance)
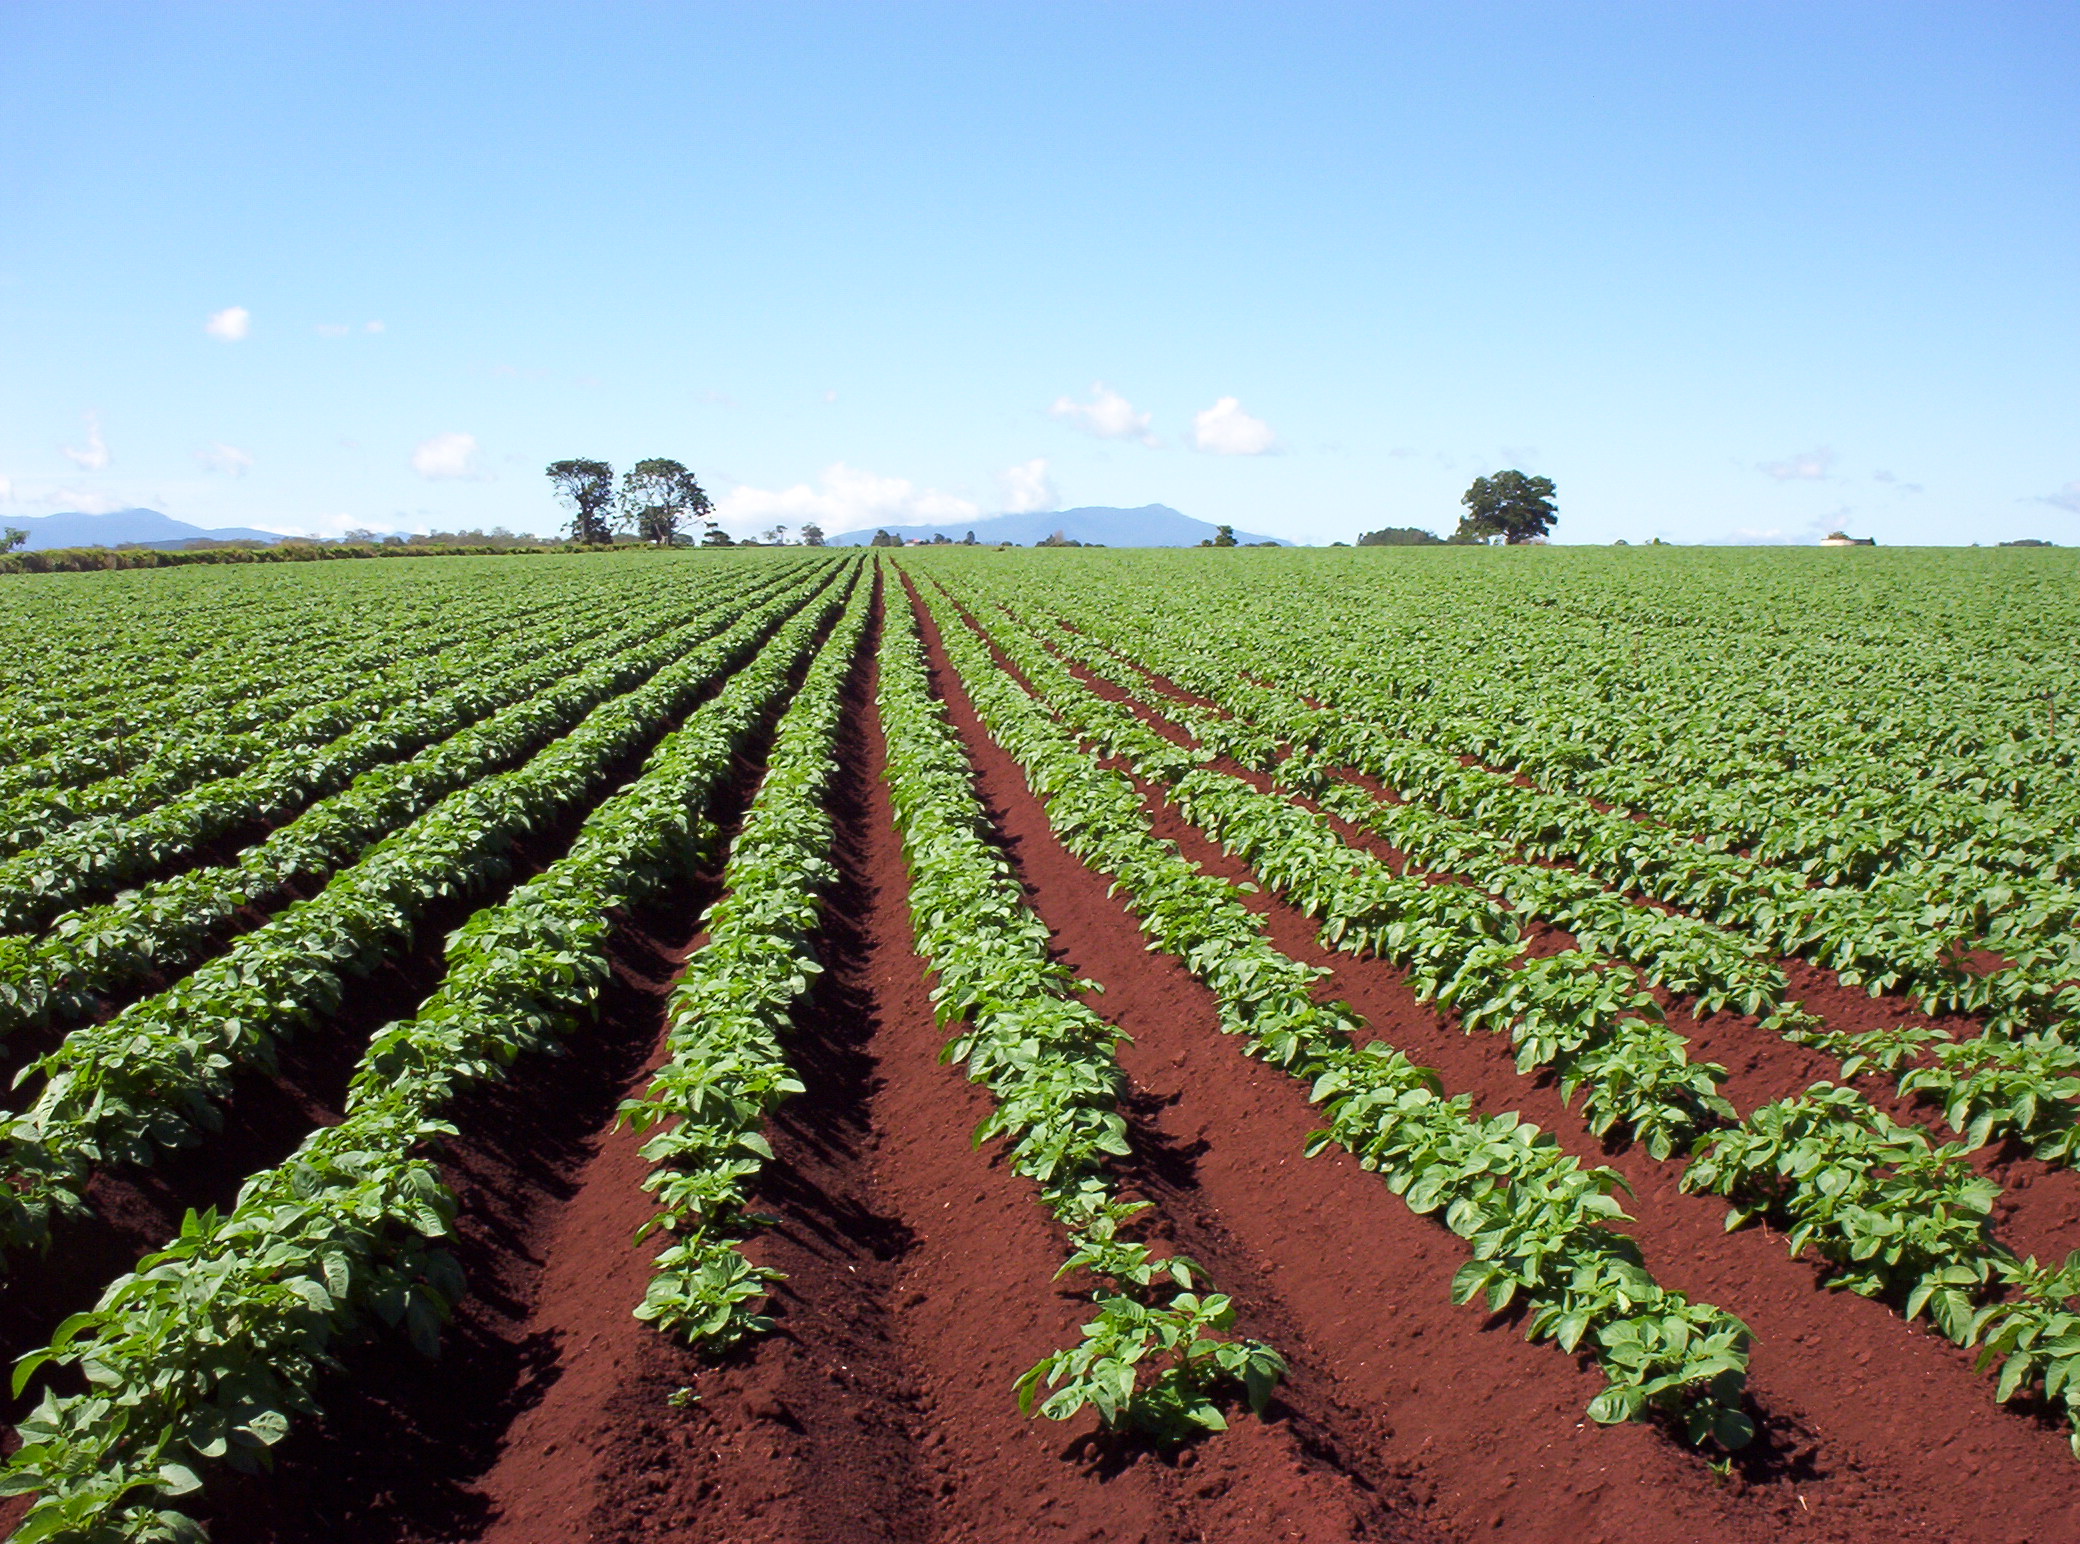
(783, 1044)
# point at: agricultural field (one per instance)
(757, 1045)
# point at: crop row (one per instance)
(178, 762)
(1542, 1228)
(2016, 1080)
(210, 1348)
(150, 1077)
(98, 854)
(95, 951)
(1898, 1216)
(724, 1066)
(1047, 1061)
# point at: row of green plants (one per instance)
(1907, 928)
(1899, 1217)
(1894, 1215)
(129, 760)
(1157, 1356)
(210, 1349)
(150, 1078)
(177, 763)
(1714, 968)
(727, 1021)
(1543, 1231)
(2016, 1080)
(92, 953)
(1787, 738)
(1573, 1013)
(120, 687)
(101, 853)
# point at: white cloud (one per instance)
(446, 456)
(373, 327)
(1225, 430)
(332, 329)
(228, 459)
(1806, 466)
(1028, 488)
(1108, 415)
(231, 324)
(2067, 498)
(6, 491)
(848, 499)
(93, 455)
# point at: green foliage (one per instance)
(1047, 1061)
(210, 1348)
(1399, 536)
(1542, 1229)
(658, 498)
(725, 1068)
(586, 489)
(1510, 505)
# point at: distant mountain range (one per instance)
(146, 527)
(1152, 525)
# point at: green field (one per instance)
(710, 969)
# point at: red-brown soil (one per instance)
(920, 1282)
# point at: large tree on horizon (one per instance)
(658, 497)
(1510, 505)
(586, 489)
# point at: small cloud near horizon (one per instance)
(1107, 416)
(1226, 430)
(447, 456)
(231, 324)
(1804, 466)
(2067, 498)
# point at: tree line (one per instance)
(658, 501)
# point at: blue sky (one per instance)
(1724, 271)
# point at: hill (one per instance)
(146, 527)
(1152, 525)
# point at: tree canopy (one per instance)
(586, 489)
(659, 497)
(1510, 505)
(1400, 536)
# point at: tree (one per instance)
(717, 537)
(883, 539)
(1510, 505)
(1399, 536)
(774, 536)
(812, 535)
(1224, 536)
(586, 489)
(659, 496)
(968, 540)
(14, 536)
